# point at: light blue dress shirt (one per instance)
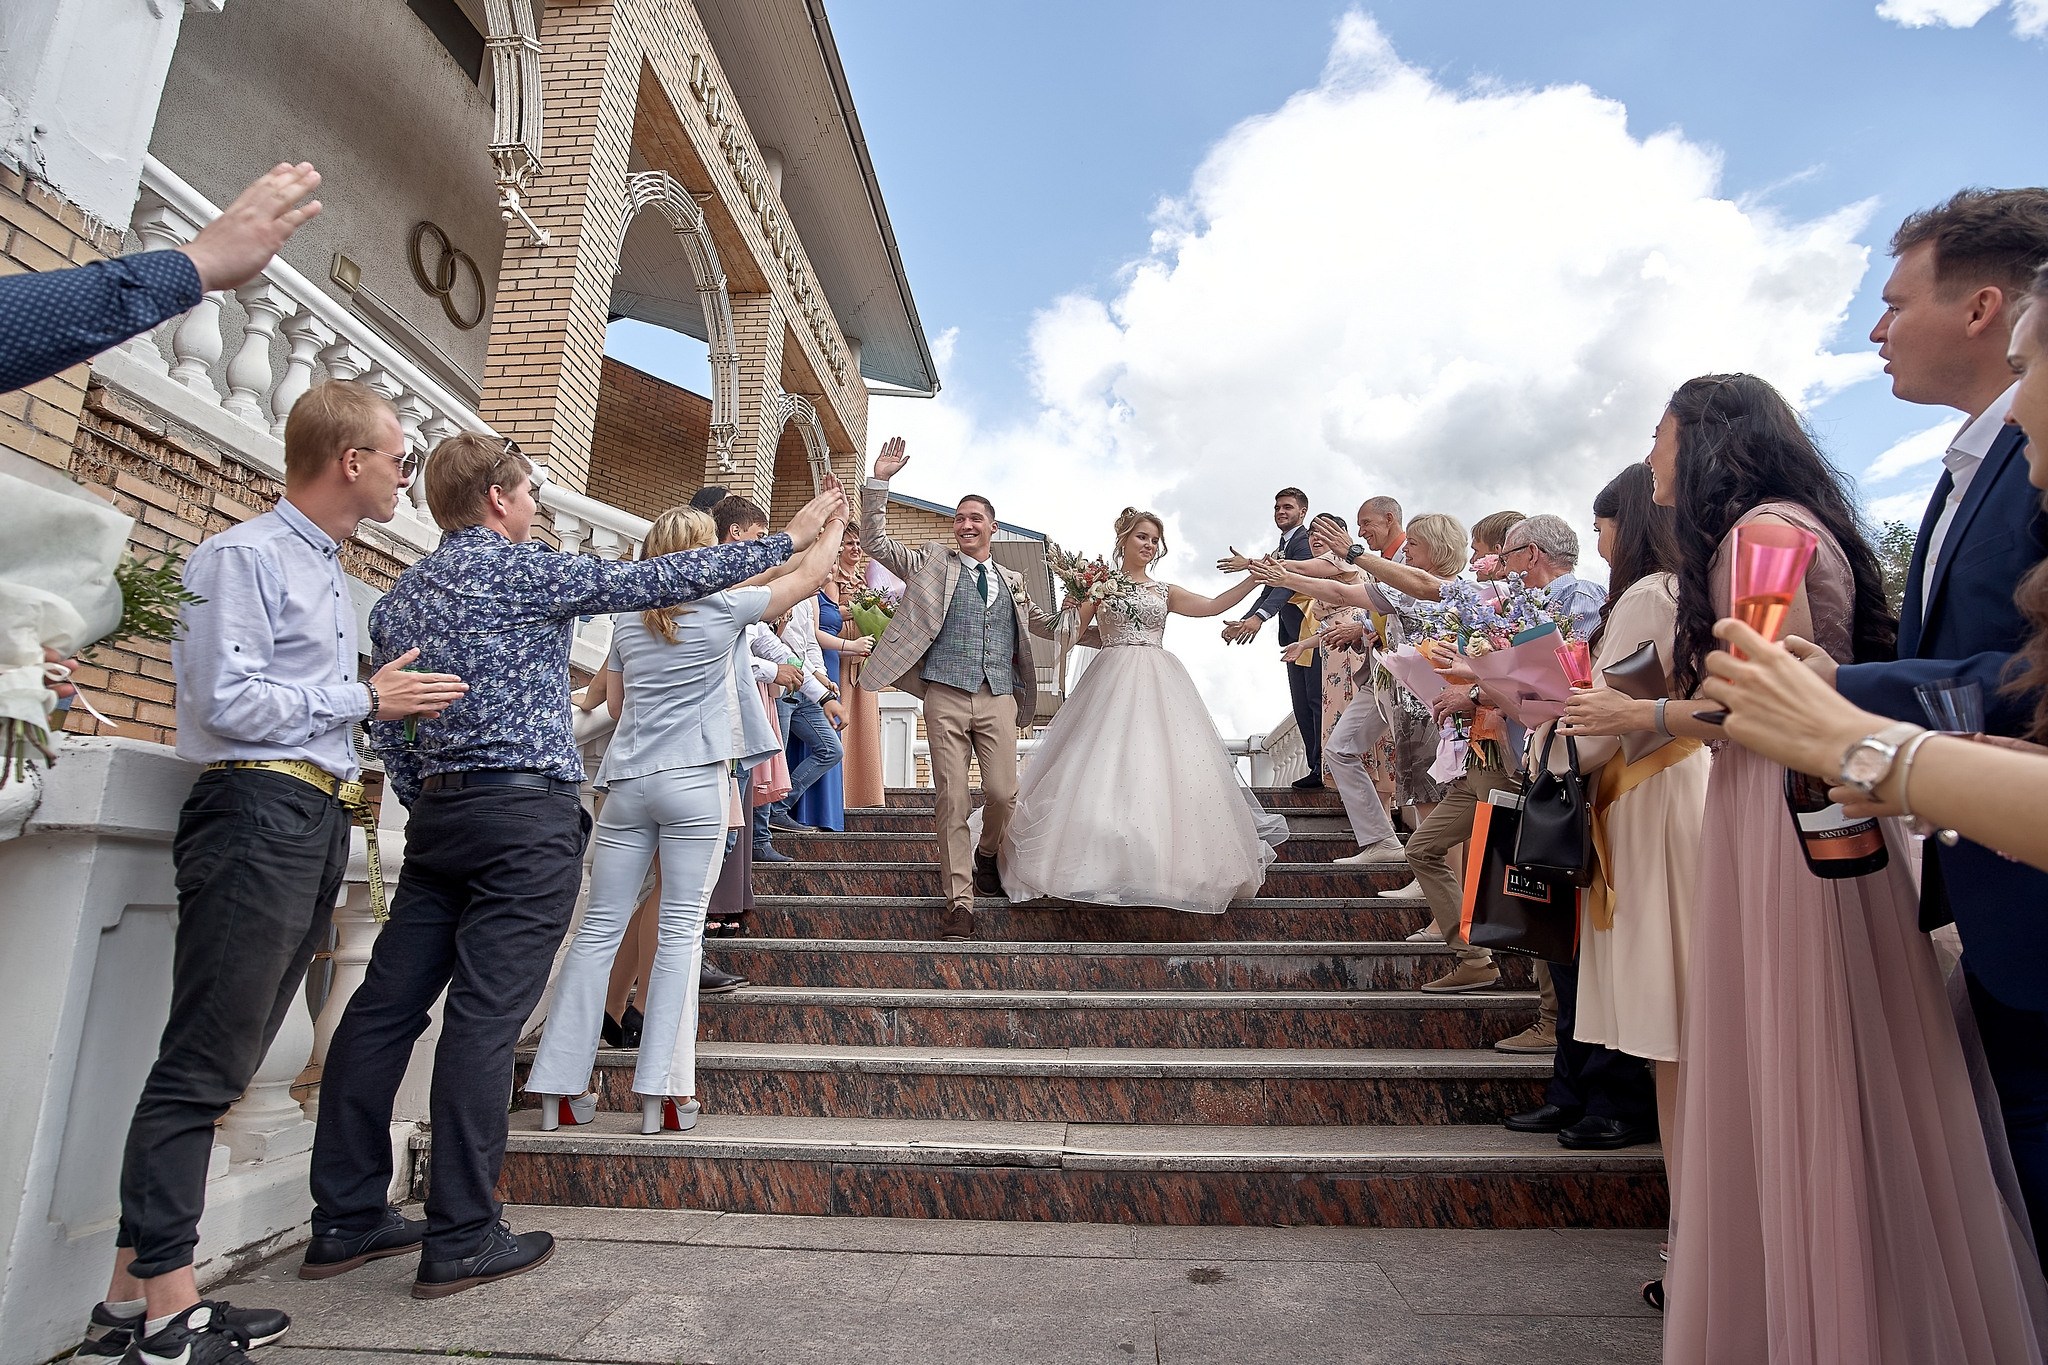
(266, 666)
(683, 707)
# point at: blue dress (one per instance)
(824, 805)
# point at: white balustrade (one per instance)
(305, 337)
(267, 1123)
(249, 373)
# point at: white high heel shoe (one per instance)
(661, 1112)
(574, 1110)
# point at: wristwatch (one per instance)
(1867, 762)
(1354, 554)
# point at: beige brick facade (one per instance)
(647, 448)
(42, 230)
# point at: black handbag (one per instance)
(1511, 909)
(1556, 828)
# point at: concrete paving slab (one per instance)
(928, 1236)
(612, 1225)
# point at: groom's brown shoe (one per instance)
(958, 922)
(988, 878)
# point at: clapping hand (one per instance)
(889, 463)
(828, 506)
(1269, 571)
(1234, 562)
(1243, 632)
(1297, 651)
(1344, 635)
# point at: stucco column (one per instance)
(547, 329)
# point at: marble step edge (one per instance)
(1310, 836)
(1079, 1146)
(974, 998)
(1196, 948)
(779, 900)
(1383, 865)
(1334, 1064)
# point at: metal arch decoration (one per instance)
(794, 407)
(663, 192)
(514, 45)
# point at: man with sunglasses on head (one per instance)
(494, 856)
(267, 691)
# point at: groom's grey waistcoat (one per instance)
(975, 645)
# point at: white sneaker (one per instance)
(1387, 850)
(1428, 933)
(1410, 892)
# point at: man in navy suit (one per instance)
(1960, 270)
(1304, 685)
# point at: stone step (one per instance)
(1066, 966)
(1272, 798)
(922, 846)
(1287, 880)
(1388, 1176)
(1095, 1085)
(895, 820)
(1144, 1019)
(1360, 919)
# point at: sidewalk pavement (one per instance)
(627, 1286)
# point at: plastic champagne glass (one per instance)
(1953, 706)
(1577, 661)
(1770, 561)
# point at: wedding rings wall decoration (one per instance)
(440, 267)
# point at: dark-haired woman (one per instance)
(1835, 1201)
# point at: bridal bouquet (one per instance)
(872, 609)
(1094, 580)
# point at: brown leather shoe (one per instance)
(988, 878)
(958, 922)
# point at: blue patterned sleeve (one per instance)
(52, 319)
(582, 585)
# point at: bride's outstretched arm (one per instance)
(1181, 602)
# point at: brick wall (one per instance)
(647, 447)
(914, 525)
(42, 230)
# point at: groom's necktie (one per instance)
(981, 581)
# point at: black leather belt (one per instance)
(498, 777)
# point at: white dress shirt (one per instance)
(1963, 458)
(801, 636)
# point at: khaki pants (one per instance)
(958, 724)
(1449, 825)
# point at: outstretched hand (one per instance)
(889, 463)
(233, 248)
(1234, 562)
(1271, 572)
(1244, 631)
(829, 505)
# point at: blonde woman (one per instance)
(667, 780)
(1130, 797)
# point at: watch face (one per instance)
(1866, 765)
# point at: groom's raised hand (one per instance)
(889, 463)
(1234, 562)
(1244, 631)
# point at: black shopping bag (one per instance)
(1514, 909)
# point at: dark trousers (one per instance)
(1596, 1080)
(2016, 1048)
(1305, 690)
(490, 882)
(260, 858)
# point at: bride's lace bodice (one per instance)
(1150, 627)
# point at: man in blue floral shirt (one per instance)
(494, 856)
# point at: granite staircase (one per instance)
(1272, 1065)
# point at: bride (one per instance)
(1129, 797)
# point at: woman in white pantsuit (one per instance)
(667, 779)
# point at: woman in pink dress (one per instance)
(1837, 1200)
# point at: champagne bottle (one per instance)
(1833, 844)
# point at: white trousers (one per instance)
(682, 813)
(1354, 735)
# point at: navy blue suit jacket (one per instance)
(1276, 601)
(1970, 629)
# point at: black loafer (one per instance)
(1592, 1134)
(334, 1251)
(1313, 782)
(109, 1337)
(768, 853)
(1547, 1118)
(788, 825)
(503, 1255)
(988, 878)
(712, 981)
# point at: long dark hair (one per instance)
(2028, 671)
(1645, 536)
(1739, 445)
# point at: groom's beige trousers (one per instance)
(959, 725)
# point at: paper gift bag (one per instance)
(1514, 909)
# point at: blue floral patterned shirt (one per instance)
(52, 319)
(500, 617)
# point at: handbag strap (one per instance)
(1571, 752)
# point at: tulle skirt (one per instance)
(1130, 798)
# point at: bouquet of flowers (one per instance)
(871, 610)
(1506, 635)
(1094, 580)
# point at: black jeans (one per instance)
(1586, 1076)
(490, 882)
(260, 858)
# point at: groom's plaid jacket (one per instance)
(930, 574)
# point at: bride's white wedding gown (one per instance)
(1129, 797)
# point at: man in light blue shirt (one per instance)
(267, 692)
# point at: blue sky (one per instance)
(1026, 150)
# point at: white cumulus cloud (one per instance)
(2029, 17)
(1911, 452)
(1466, 298)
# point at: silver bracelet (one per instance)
(1662, 728)
(1947, 838)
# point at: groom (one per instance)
(1304, 685)
(957, 641)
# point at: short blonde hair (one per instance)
(461, 473)
(1443, 536)
(679, 528)
(328, 419)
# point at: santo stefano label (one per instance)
(722, 113)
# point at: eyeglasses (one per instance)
(510, 457)
(1506, 555)
(408, 463)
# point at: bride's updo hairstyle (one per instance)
(1128, 521)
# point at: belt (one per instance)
(350, 797)
(498, 777)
